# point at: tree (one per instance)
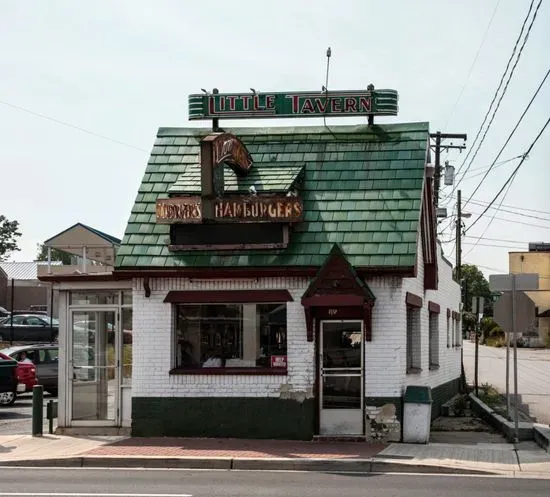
(56, 255)
(474, 284)
(9, 232)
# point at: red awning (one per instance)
(228, 296)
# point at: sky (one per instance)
(84, 87)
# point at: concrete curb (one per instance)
(507, 428)
(370, 465)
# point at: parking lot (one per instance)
(17, 419)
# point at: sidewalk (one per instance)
(521, 460)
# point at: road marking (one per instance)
(87, 494)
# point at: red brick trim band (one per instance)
(433, 307)
(413, 300)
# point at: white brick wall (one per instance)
(385, 355)
(153, 330)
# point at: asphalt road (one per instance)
(533, 375)
(156, 483)
(17, 419)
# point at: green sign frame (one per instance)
(293, 104)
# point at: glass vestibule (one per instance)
(99, 350)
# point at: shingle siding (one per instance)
(361, 189)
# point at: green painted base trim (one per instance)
(442, 393)
(224, 417)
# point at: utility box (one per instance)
(417, 414)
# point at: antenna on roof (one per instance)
(324, 90)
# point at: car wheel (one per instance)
(7, 398)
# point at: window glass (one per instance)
(127, 297)
(33, 321)
(94, 298)
(47, 355)
(126, 345)
(229, 336)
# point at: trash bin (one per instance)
(417, 414)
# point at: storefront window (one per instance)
(231, 336)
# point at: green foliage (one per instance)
(56, 255)
(474, 284)
(9, 233)
(490, 396)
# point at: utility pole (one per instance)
(439, 137)
(458, 271)
(458, 275)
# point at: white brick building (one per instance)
(302, 307)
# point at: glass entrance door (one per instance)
(341, 378)
(94, 367)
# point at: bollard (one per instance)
(37, 410)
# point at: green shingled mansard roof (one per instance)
(361, 185)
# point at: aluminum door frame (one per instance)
(320, 374)
(118, 376)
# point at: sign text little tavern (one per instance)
(239, 209)
(293, 104)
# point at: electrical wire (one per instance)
(485, 168)
(492, 218)
(499, 239)
(69, 125)
(511, 176)
(483, 204)
(509, 136)
(473, 64)
(495, 94)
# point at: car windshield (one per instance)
(47, 319)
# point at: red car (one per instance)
(26, 379)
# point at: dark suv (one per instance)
(45, 358)
(29, 328)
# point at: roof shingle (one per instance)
(361, 186)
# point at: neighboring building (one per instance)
(3, 288)
(29, 292)
(536, 260)
(284, 283)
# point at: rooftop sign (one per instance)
(293, 104)
(188, 210)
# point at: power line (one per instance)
(505, 88)
(495, 94)
(482, 169)
(509, 136)
(494, 215)
(473, 63)
(482, 203)
(69, 125)
(499, 239)
(489, 245)
(511, 176)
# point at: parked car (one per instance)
(45, 360)
(26, 379)
(4, 313)
(29, 328)
(8, 377)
